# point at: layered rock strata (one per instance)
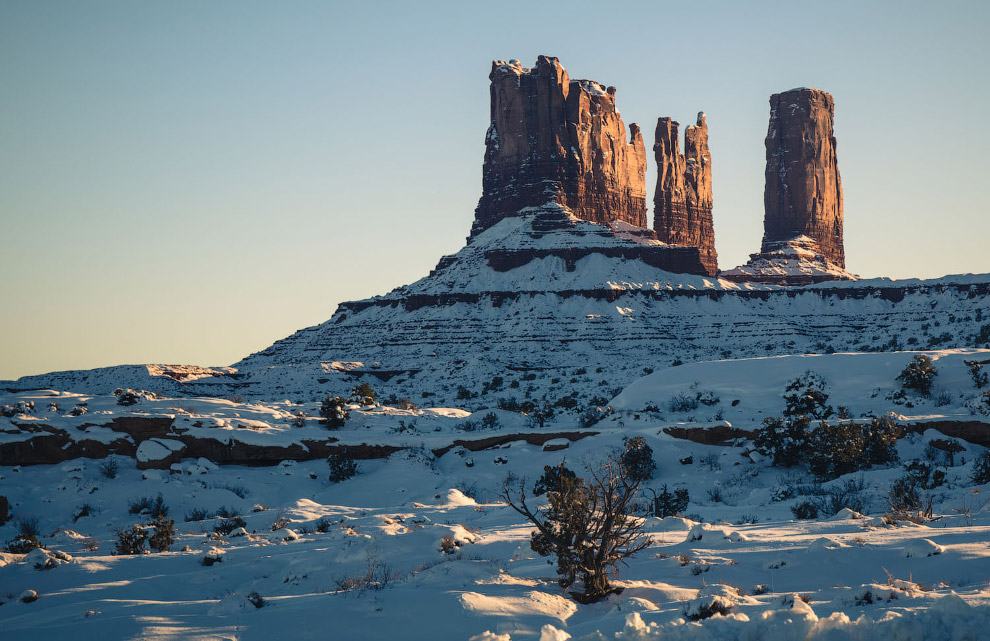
(803, 194)
(682, 204)
(557, 140)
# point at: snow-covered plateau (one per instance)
(418, 545)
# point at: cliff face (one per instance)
(557, 140)
(682, 204)
(803, 194)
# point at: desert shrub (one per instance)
(805, 396)
(489, 421)
(493, 385)
(587, 524)
(197, 514)
(377, 575)
(255, 599)
(448, 545)
(942, 451)
(880, 441)
(668, 503)
(637, 459)
(21, 407)
(567, 402)
(238, 490)
(712, 461)
(130, 540)
(26, 539)
(906, 502)
(28, 526)
(715, 494)
(323, 525)
(682, 402)
(541, 414)
(22, 544)
(980, 378)
(363, 394)
(829, 450)
(146, 505)
(127, 397)
(342, 466)
(981, 469)
(281, 521)
(903, 495)
(163, 535)
(406, 404)
(334, 412)
(919, 375)
(848, 494)
(82, 511)
(226, 526)
(784, 441)
(834, 450)
(707, 610)
(595, 413)
(925, 476)
(109, 467)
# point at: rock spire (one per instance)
(682, 203)
(557, 140)
(803, 194)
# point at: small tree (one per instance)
(334, 412)
(637, 459)
(342, 466)
(363, 394)
(164, 534)
(834, 450)
(919, 375)
(131, 540)
(668, 503)
(805, 396)
(784, 441)
(587, 524)
(981, 469)
(980, 378)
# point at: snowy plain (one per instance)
(848, 576)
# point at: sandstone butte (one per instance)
(562, 141)
(557, 140)
(682, 203)
(803, 194)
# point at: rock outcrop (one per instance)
(557, 140)
(802, 226)
(803, 194)
(682, 204)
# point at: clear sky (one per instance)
(188, 181)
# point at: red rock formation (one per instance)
(682, 204)
(803, 195)
(553, 139)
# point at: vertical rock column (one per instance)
(557, 140)
(803, 195)
(682, 203)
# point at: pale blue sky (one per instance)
(188, 181)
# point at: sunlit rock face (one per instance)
(803, 194)
(682, 203)
(802, 226)
(557, 140)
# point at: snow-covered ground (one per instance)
(362, 558)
